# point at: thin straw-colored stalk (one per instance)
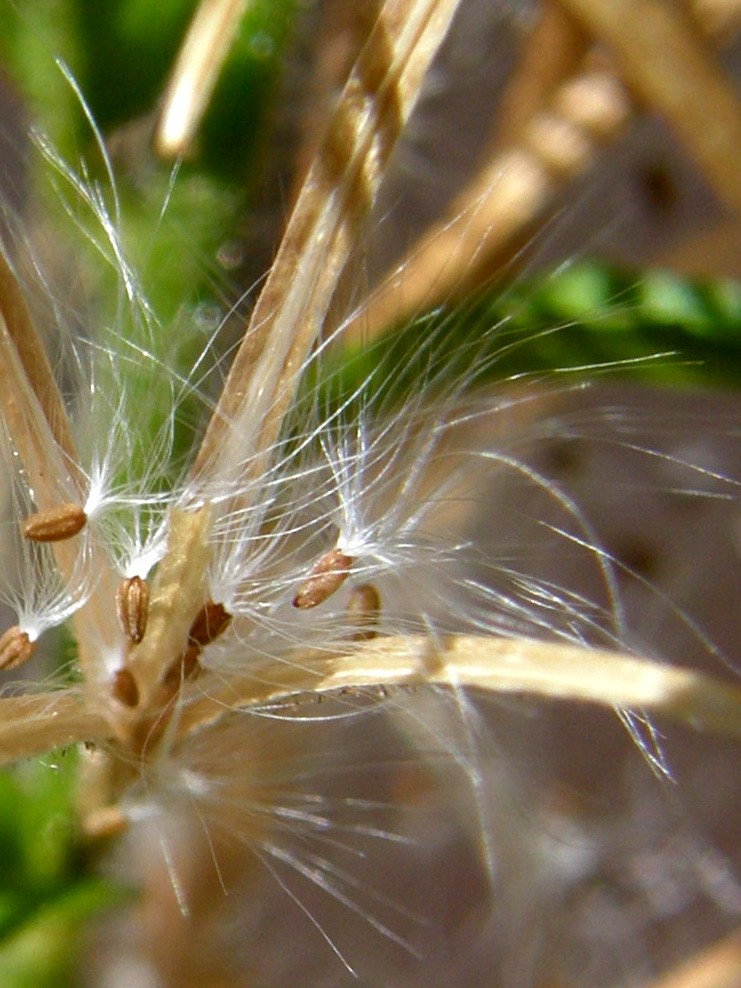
(551, 53)
(718, 966)
(24, 340)
(667, 65)
(177, 594)
(339, 191)
(31, 725)
(33, 413)
(490, 220)
(35, 418)
(543, 669)
(194, 76)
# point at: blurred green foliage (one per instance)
(47, 885)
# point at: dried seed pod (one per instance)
(211, 621)
(363, 611)
(326, 576)
(56, 524)
(186, 667)
(125, 688)
(15, 648)
(132, 604)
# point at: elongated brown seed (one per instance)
(108, 821)
(15, 648)
(363, 611)
(132, 605)
(211, 621)
(125, 689)
(326, 576)
(56, 524)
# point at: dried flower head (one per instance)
(314, 544)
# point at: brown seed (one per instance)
(363, 611)
(327, 574)
(56, 524)
(125, 689)
(15, 648)
(186, 667)
(132, 604)
(211, 621)
(108, 821)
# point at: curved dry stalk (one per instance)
(194, 76)
(177, 594)
(35, 418)
(490, 219)
(23, 341)
(718, 966)
(665, 62)
(497, 665)
(491, 216)
(338, 193)
(551, 53)
(32, 725)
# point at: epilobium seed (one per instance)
(55, 524)
(132, 604)
(326, 576)
(125, 689)
(363, 611)
(211, 621)
(15, 648)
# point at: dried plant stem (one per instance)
(31, 725)
(340, 188)
(551, 53)
(490, 219)
(31, 356)
(718, 966)
(343, 29)
(547, 670)
(665, 62)
(176, 597)
(195, 73)
(36, 420)
(718, 17)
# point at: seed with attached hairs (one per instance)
(125, 689)
(363, 611)
(326, 576)
(15, 648)
(211, 621)
(132, 605)
(56, 524)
